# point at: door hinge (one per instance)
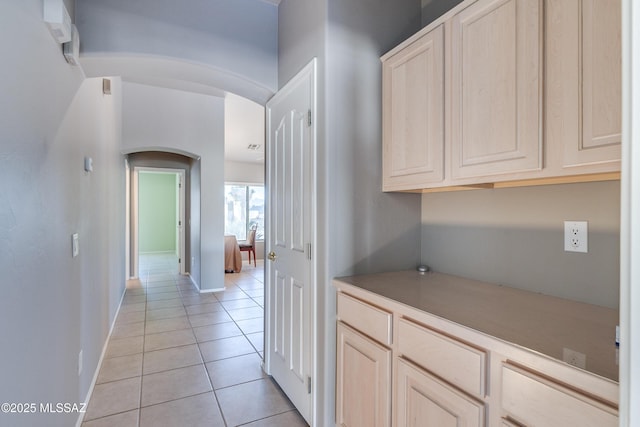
(309, 385)
(309, 118)
(308, 251)
(179, 260)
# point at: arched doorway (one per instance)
(161, 194)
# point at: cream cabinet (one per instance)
(413, 113)
(496, 88)
(423, 400)
(533, 399)
(363, 393)
(532, 95)
(584, 83)
(401, 366)
(455, 361)
(363, 365)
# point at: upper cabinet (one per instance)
(413, 122)
(496, 88)
(505, 92)
(584, 81)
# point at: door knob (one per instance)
(272, 256)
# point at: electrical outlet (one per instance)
(576, 236)
(574, 358)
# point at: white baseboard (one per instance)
(209, 291)
(104, 350)
(193, 282)
(205, 291)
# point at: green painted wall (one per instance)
(157, 212)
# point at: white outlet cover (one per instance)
(576, 236)
(574, 358)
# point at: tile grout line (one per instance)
(206, 369)
(145, 280)
(144, 342)
(245, 337)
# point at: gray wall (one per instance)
(433, 9)
(515, 237)
(195, 221)
(243, 172)
(378, 231)
(53, 305)
(361, 229)
(235, 41)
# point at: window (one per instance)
(244, 209)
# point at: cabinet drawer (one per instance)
(535, 400)
(456, 362)
(366, 318)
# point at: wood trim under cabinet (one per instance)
(574, 179)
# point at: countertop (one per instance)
(541, 323)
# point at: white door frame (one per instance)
(127, 226)
(310, 68)
(135, 216)
(630, 219)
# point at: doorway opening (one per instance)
(158, 216)
(186, 167)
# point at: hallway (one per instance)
(180, 358)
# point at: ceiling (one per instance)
(243, 126)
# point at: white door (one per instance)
(289, 238)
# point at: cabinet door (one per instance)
(425, 401)
(413, 114)
(496, 88)
(363, 380)
(588, 33)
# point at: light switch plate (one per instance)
(75, 249)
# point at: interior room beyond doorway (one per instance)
(161, 214)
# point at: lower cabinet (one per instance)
(423, 400)
(535, 400)
(396, 366)
(363, 380)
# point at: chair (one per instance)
(250, 245)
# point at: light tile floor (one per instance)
(180, 358)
